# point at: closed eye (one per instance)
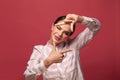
(58, 27)
(67, 33)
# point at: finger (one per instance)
(66, 50)
(54, 46)
(69, 16)
(72, 25)
(60, 61)
(59, 24)
(68, 21)
(62, 55)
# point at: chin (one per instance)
(57, 42)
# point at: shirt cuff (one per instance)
(86, 20)
(42, 66)
(92, 23)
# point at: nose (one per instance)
(60, 33)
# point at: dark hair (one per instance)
(62, 18)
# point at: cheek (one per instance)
(53, 32)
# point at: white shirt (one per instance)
(69, 68)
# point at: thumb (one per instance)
(54, 47)
(72, 25)
(67, 21)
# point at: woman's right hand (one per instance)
(55, 56)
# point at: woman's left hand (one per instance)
(73, 19)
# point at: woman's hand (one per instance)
(73, 19)
(55, 56)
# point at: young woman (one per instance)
(59, 58)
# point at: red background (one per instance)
(25, 23)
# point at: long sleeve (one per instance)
(92, 26)
(35, 65)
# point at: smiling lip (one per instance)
(57, 38)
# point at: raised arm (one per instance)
(93, 25)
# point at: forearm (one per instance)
(93, 26)
(80, 19)
(92, 23)
(34, 70)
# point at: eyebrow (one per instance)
(59, 24)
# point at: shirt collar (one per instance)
(61, 45)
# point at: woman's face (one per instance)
(60, 32)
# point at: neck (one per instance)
(51, 42)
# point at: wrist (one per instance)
(47, 63)
(80, 19)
